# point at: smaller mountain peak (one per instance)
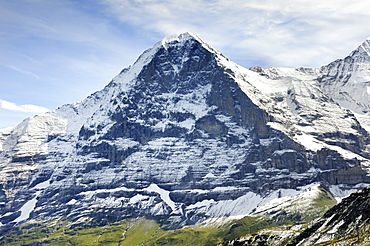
(363, 50)
(366, 45)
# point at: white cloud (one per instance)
(277, 32)
(25, 72)
(27, 108)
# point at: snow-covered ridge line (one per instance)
(180, 39)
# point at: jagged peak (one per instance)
(360, 54)
(365, 46)
(363, 49)
(172, 40)
(179, 38)
(176, 40)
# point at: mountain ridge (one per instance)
(182, 135)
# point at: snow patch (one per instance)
(341, 191)
(309, 141)
(240, 207)
(42, 185)
(204, 203)
(72, 202)
(30, 205)
(137, 198)
(336, 227)
(165, 195)
(27, 208)
(283, 151)
(210, 175)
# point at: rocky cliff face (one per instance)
(182, 135)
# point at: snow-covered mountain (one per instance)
(347, 80)
(184, 135)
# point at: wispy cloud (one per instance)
(278, 32)
(26, 108)
(23, 71)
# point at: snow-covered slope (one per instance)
(347, 80)
(182, 135)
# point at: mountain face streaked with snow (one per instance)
(185, 134)
(346, 222)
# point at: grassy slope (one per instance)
(134, 232)
(141, 231)
(131, 232)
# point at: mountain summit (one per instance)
(181, 136)
(347, 80)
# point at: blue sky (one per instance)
(59, 51)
